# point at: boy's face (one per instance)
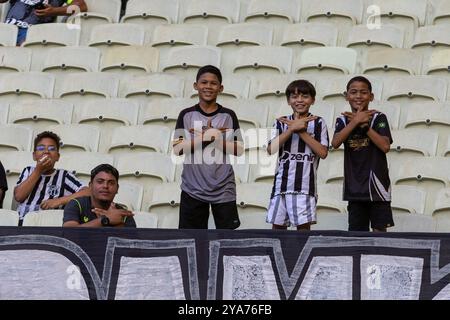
(46, 147)
(104, 187)
(300, 102)
(208, 87)
(359, 96)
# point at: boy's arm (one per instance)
(382, 142)
(62, 201)
(317, 147)
(356, 119)
(276, 143)
(23, 190)
(50, 11)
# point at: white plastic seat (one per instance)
(99, 12)
(446, 151)
(252, 203)
(414, 140)
(77, 137)
(145, 219)
(438, 64)
(86, 85)
(413, 223)
(408, 199)
(275, 11)
(212, 13)
(9, 218)
(8, 33)
(272, 89)
(23, 85)
(140, 139)
(392, 61)
(149, 169)
(44, 218)
(152, 87)
(106, 114)
(39, 114)
(441, 210)
(130, 60)
(164, 112)
(42, 37)
(130, 194)
(264, 170)
(326, 61)
(409, 14)
(15, 59)
(165, 203)
(71, 59)
(186, 60)
(330, 198)
(251, 113)
(335, 174)
(343, 13)
(4, 111)
(429, 39)
(391, 110)
(263, 60)
(417, 88)
(80, 163)
(151, 12)
(331, 220)
(15, 137)
(232, 37)
(116, 35)
(441, 14)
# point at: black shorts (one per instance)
(194, 214)
(360, 213)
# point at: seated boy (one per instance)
(43, 186)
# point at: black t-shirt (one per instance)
(80, 209)
(22, 13)
(366, 176)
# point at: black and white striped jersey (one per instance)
(297, 163)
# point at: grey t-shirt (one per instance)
(207, 174)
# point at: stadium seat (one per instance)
(252, 202)
(251, 113)
(4, 110)
(4, 8)
(211, 13)
(441, 210)
(130, 194)
(139, 139)
(86, 85)
(438, 64)
(39, 114)
(418, 88)
(153, 87)
(145, 219)
(151, 13)
(99, 12)
(272, 11)
(272, 89)
(44, 218)
(116, 35)
(430, 39)
(9, 218)
(343, 13)
(26, 85)
(392, 62)
(14, 162)
(149, 169)
(264, 170)
(413, 223)
(186, 60)
(71, 59)
(263, 61)
(42, 37)
(169, 36)
(446, 151)
(164, 112)
(241, 169)
(77, 137)
(332, 89)
(413, 141)
(15, 137)
(391, 110)
(409, 14)
(330, 198)
(326, 61)
(335, 174)
(130, 60)
(301, 36)
(8, 34)
(165, 203)
(80, 163)
(408, 199)
(331, 220)
(14, 59)
(106, 114)
(441, 14)
(232, 37)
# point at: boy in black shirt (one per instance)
(367, 138)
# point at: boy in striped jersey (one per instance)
(43, 186)
(367, 138)
(300, 140)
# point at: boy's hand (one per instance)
(297, 125)
(44, 164)
(48, 11)
(51, 204)
(362, 118)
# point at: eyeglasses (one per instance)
(49, 148)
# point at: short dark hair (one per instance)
(209, 69)
(47, 134)
(300, 86)
(360, 79)
(104, 168)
